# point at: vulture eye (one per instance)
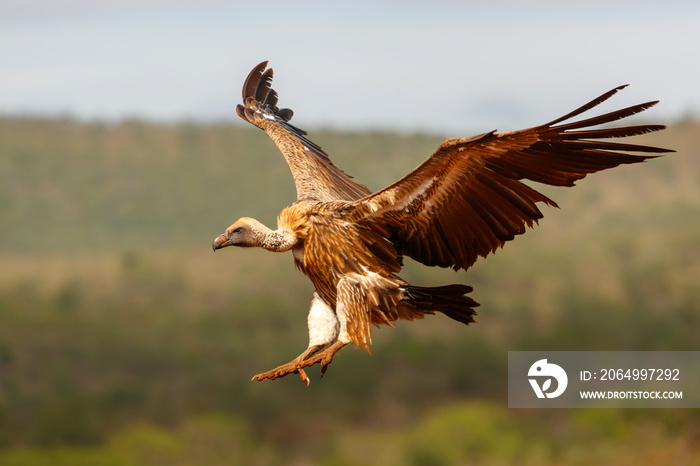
(237, 230)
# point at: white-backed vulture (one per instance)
(464, 201)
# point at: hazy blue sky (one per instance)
(453, 66)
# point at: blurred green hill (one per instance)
(125, 340)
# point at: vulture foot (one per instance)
(295, 366)
(292, 367)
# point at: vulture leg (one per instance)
(323, 331)
(292, 367)
(352, 317)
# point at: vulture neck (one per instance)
(280, 240)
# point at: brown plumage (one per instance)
(466, 200)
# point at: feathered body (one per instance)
(332, 248)
(465, 201)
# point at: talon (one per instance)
(304, 377)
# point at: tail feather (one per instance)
(451, 300)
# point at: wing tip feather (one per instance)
(258, 94)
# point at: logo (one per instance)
(546, 372)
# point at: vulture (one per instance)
(464, 201)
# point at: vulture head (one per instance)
(245, 232)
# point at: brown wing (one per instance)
(314, 174)
(466, 199)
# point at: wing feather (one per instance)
(315, 176)
(467, 199)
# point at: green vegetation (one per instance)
(124, 340)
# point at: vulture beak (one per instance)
(219, 242)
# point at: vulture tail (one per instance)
(451, 300)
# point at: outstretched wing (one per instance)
(467, 199)
(314, 174)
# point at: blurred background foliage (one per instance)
(125, 341)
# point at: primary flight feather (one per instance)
(464, 201)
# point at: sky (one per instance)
(440, 66)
